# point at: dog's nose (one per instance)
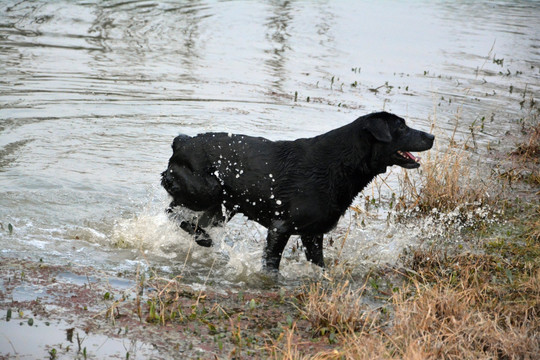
(430, 137)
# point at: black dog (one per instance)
(299, 187)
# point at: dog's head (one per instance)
(394, 141)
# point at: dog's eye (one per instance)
(402, 127)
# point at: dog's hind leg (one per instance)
(314, 248)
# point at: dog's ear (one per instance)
(378, 128)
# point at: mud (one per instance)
(78, 312)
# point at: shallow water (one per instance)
(93, 92)
(61, 340)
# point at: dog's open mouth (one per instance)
(407, 160)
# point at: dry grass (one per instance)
(454, 308)
(472, 306)
(445, 323)
(446, 180)
(445, 183)
(288, 348)
(529, 150)
(527, 159)
(336, 307)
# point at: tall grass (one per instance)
(447, 178)
(336, 307)
(527, 156)
(529, 150)
(462, 307)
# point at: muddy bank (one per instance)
(78, 312)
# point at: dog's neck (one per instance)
(352, 172)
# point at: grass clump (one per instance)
(445, 184)
(529, 150)
(451, 190)
(464, 306)
(336, 307)
(447, 181)
(472, 306)
(527, 158)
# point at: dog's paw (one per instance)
(203, 240)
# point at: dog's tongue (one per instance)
(411, 156)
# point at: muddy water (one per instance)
(93, 92)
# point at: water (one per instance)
(65, 341)
(93, 92)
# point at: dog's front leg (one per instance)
(314, 248)
(192, 227)
(275, 244)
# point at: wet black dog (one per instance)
(299, 187)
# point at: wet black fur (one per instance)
(299, 187)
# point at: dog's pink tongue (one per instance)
(411, 156)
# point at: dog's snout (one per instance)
(429, 139)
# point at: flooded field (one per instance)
(93, 92)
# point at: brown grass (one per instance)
(336, 307)
(446, 180)
(471, 306)
(527, 159)
(462, 307)
(445, 183)
(288, 349)
(529, 150)
(445, 323)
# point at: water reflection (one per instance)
(278, 34)
(161, 43)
